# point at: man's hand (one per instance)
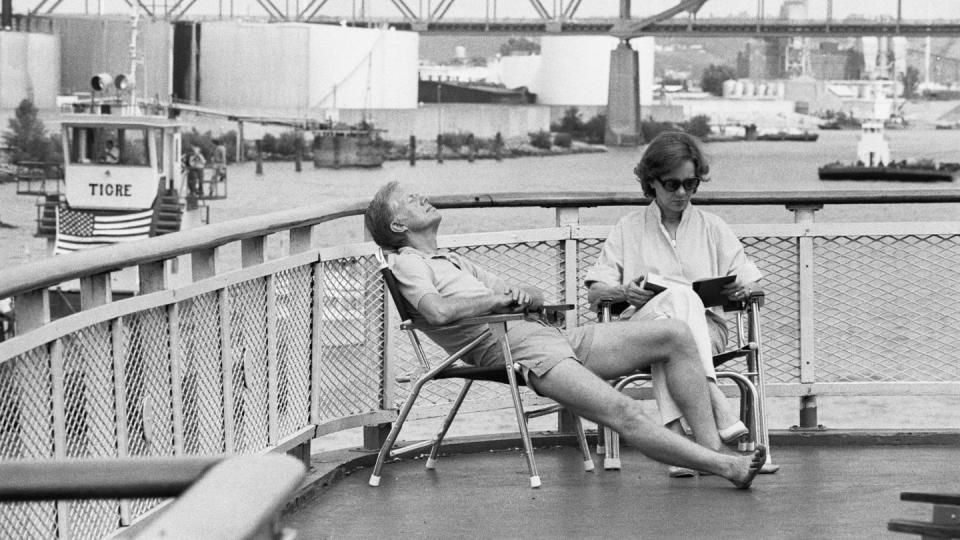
(518, 299)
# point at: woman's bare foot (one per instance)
(746, 468)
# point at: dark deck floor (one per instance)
(820, 492)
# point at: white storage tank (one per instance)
(729, 86)
(737, 89)
(306, 67)
(575, 70)
(749, 89)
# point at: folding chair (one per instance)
(750, 382)
(508, 374)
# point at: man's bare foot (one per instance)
(747, 468)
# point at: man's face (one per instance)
(413, 210)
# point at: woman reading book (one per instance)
(672, 244)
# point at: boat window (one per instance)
(158, 144)
(102, 145)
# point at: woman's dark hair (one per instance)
(666, 152)
(379, 217)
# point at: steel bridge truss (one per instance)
(537, 17)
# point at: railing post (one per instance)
(252, 251)
(273, 386)
(226, 361)
(804, 214)
(95, 291)
(120, 404)
(316, 344)
(152, 277)
(300, 238)
(58, 390)
(32, 312)
(569, 218)
(176, 378)
(203, 264)
(375, 435)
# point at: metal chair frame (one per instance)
(508, 374)
(749, 383)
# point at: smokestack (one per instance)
(6, 14)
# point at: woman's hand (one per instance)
(636, 295)
(738, 292)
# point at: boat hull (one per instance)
(897, 174)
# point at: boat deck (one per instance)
(820, 492)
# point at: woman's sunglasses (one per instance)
(689, 184)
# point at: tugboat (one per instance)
(874, 162)
(121, 180)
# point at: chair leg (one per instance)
(748, 408)
(438, 440)
(611, 458)
(755, 365)
(394, 432)
(524, 431)
(500, 332)
(582, 441)
(601, 439)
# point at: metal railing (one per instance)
(268, 356)
(212, 493)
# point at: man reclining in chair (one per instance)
(568, 367)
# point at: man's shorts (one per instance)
(538, 347)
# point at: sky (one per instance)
(816, 9)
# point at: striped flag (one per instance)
(80, 229)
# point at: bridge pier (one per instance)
(623, 98)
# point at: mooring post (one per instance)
(298, 164)
(498, 147)
(413, 150)
(259, 158)
(336, 152)
(439, 148)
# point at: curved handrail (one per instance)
(52, 271)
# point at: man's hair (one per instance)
(379, 216)
(665, 153)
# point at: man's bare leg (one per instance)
(623, 348)
(590, 397)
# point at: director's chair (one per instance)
(448, 368)
(749, 382)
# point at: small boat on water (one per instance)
(750, 132)
(360, 146)
(874, 162)
(804, 136)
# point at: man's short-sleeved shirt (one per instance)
(705, 247)
(446, 274)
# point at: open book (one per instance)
(709, 290)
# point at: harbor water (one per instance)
(735, 166)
